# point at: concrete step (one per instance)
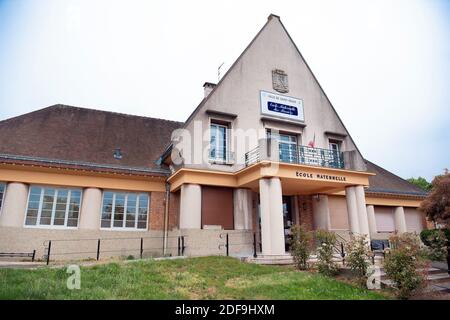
(430, 272)
(436, 280)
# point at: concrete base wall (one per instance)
(82, 244)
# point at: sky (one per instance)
(385, 65)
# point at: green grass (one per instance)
(193, 278)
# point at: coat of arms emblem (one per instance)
(280, 81)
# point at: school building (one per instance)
(264, 150)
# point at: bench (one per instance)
(31, 255)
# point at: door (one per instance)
(287, 220)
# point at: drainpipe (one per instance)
(166, 219)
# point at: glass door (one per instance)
(287, 220)
(288, 148)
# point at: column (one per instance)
(352, 209)
(272, 226)
(362, 213)
(400, 221)
(91, 209)
(14, 205)
(191, 206)
(242, 201)
(264, 203)
(276, 217)
(321, 212)
(371, 219)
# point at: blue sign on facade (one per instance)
(282, 108)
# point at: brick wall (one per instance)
(157, 211)
(174, 210)
(306, 212)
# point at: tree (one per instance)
(437, 204)
(421, 183)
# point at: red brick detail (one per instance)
(157, 211)
(174, 210)
(305, 212)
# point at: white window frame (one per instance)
(224, 159)
(38, 218)
(124, 228)
(3, 196)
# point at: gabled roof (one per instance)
(85, 137)
(385, 182)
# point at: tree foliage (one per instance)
(421, 183)
(436, 205)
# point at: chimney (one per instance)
(208, 87)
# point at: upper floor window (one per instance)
(335, 148)
(49, 206)
(218, 146)
(2, 194)
(122, 210)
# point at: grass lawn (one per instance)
(192, 278)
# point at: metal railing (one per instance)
(95, 247)
(291, 153)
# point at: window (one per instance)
(56, 207)
(124, 210)
(218, 142)
(335, 147)
(2, 194)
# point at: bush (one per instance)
(403, 264)
(358, 256)
(301, 243)
(326, 242)
(427, 235)
(436, 242)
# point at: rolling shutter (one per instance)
(217, 207)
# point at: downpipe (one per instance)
(166, 219)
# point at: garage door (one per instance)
(414, 220)
(217, 207)
(384, 217)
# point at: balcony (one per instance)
(291, 153)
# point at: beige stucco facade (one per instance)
(265, 193)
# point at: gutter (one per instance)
(166, 219)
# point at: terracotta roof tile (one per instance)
(86, 135)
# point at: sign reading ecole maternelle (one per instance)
(281, 106)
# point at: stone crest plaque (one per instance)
(280, 81)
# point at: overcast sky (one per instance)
(385, 65)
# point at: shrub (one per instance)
(358, 255)
(427, 235)
(301, 243)
(326, 242)
(436, 242)
(403, 264)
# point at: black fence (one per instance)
(227, 241)
(176, 246)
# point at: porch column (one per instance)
(371, 219)
(400, 221)
(14, 206)
(272, 225)
(191, 206)
(91, 209)
(242, 199)
(321, 212)
(352, 209)
(362, 213)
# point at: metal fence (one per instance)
(90, 248)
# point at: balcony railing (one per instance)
(291, 153)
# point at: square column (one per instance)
(352, 210)
(272, 225)
(321, 212)
(242, 199)
(400, 221)
(91, 209)
(362, 213)
(14, 205)
(191, 206)
(371, 219)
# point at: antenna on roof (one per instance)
(218, 71)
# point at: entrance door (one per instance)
(287, 219)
